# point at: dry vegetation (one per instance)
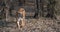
(32, 25)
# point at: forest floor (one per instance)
(32, 25)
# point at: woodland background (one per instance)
(41, 15)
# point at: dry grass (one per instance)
(34, 25)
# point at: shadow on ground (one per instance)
(6, 24)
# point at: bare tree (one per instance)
(37, 11)
(51, 9)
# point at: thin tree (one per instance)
(37, 11)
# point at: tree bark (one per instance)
(37, 11)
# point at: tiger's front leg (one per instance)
(18, 23)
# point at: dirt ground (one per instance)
(32, 25)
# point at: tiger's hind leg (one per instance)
(22, 22)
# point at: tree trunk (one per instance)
(51, 9)
(37, 11)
